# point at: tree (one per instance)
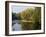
(37, 18)
(26, 14)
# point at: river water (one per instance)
(16, 25)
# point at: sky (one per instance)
(17, 9)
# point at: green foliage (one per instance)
(37, 14)
(33, 15)
(26, 15)
(37, 18)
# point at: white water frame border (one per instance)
(9, 17)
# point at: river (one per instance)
(16, 25)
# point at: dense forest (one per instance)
(30, 18)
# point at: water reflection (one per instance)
(16, 25)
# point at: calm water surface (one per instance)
(16, 25)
